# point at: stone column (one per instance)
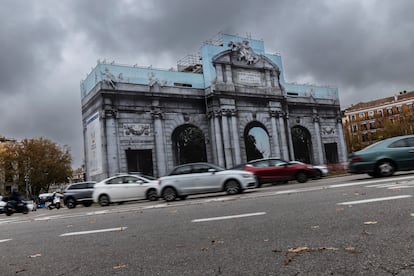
(219, 72)
(275, 135)
(111, 142)
(159, 143)
(212, 137)
(341, 139)
(236, 138)
(226, 139)
(289, 134)
(318, 139)
(284, 147)
(268, 80)
(229, 75)
(218, 139)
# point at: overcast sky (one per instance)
(363, 47)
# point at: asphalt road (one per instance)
(350, 225)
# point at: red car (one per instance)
(271, 170)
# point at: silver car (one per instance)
(197, 178)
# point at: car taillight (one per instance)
(356, 159)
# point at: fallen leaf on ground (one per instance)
(315, 227)
(412, 214)
(120, 266)
(370, 222)
(365, 232)
(298, 249)
(217, 241)
(35, 255)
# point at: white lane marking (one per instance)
(229, 217)
(370, 182)
(6, 240)
(374, 200)
(93, 231)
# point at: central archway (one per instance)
(302, 144)
(256, 140)
(188, 145)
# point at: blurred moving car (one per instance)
(121, 188)
(78, 193)
(31, 205)
(201, 177)
(3, 203)
(320, 170)
(271, 170)
(384, 158)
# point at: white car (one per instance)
(197, 178)
(2, 204)
(121, 188)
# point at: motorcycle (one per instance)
(16, 207)
(54, 202)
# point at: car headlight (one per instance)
(247, 175)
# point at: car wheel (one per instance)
(71, 203)
(232, 187)
(385, 168)
(301, 177)
(318, 174)
(152, 195)
(87, 204)
(169, 194)
(104, 200)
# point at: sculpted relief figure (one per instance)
(245, 52)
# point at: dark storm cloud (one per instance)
(362, 47)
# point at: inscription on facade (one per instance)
(249, 77)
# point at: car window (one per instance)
(399, 144)
(200, 168)
(91, 184)
(181, 170)
(276, 162)
(131, 179)
(116, 180)
(410, 142)
(77, 186)
(261, 164)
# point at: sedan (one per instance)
(270, 170)
(384, 157)
(197, 178)
(121, 188)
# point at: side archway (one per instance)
(302, 144)
(188, 145)
(256, 140)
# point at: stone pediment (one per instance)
(240, 66)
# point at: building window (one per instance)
(379, 112)
(371, 113)
(354, 128)
(364, 127)
(389, 110)
(365, 137)
(399, 108)
(372, 125)
(362, 115)
(353, 117)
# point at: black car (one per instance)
(78, 193)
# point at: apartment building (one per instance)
(366, 122)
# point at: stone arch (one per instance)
(188, 144)
(257, 141)
(302, 144)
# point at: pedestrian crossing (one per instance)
(409, 184)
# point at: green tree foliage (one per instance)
(191, 145)
(39, 162)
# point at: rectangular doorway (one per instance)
(140, 161)
(331, 153)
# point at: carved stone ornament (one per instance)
(328, 130)
(244, 52)
(136, 129)
(109, 78)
